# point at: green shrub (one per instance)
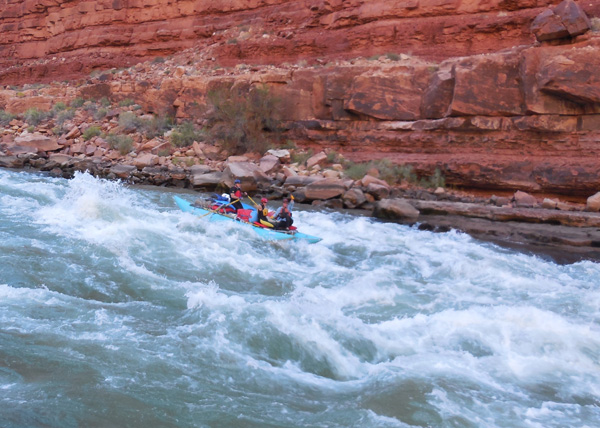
(332, 157)
(58, 107)
(31, 129)
(130, 122)
(91, 107)
(158, 60)
(5, 117)
(126, 102)
(33, 116)
(105, 102)
(77, 102)
(595, 24)
(65, 115)
(100, 114)
(435, 181)
(122, 143)
(288, 144)
(356, 171)
(157, 126)
(393, 56)
(243, 120)
(185, 134)
(92, 131)
(301, 157)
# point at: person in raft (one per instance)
(263, 213)
(236, 194)
(283, 215)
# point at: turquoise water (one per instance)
(117, 309)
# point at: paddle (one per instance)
(220, 208)
(255, 204)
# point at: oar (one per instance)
(218, 209)
(253, 201)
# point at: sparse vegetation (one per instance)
(77, 102)
(34, 117)
(126, 102)
(288, 144)
(5, 117)
(157, 126)
(332, 157)
(92, 131)
(65, 115)
(100, 113)
(595, 24)
(393, 173)
(185, 134)
(120, 142)
(243, 121)
(158, 60)
(130, 122)
(58, 107)
(301, 157)
(393, 56)
(105, 102)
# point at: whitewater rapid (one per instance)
(117, 309)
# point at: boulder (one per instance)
(123, 171)
(548, 26)
(200, 169)
(524, 200)
(318, 159)
(549, 204)
(354, 198)
(573, 17)
(61, 159)
(11, 162)
(73, 133)
(325, 188)
(32, 143)
(369, 179)
(566, 20)
(145, 159)
(378, 191)
(395, 209)
(283, 155)
(212, 179)
(300, 180)
(593, 203)
(499, 201)
(248, 173)
(269, 163)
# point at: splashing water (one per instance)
(117, 309)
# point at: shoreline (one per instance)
(561, 236)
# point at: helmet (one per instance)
(264, 200)
(237, 182)
(285, 200)
(225, 196)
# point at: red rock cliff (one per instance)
(75, 36)
(465, 86)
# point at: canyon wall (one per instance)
(45, 40)
(462, 86)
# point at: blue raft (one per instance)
(265, 233)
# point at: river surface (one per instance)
(119, 310)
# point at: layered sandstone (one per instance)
(58, 39)
(476, 97)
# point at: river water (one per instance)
(118, 310)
